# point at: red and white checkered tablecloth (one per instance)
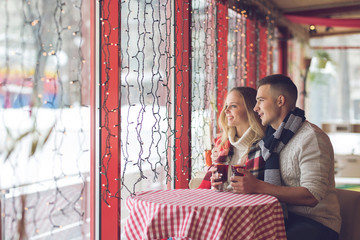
(203, 214)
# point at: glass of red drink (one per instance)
(222, 174)
(235, 167)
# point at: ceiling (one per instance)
(333, 9)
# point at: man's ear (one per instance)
(280, 100)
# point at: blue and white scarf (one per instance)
(275, 140)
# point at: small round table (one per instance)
(203, 214)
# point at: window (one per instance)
(45, 118)
(146, 98)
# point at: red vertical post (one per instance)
(251, 63)
(222, 51)
(182, 87)
(109, 120)
(263, 42)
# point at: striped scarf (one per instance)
(274, 141)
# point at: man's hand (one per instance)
(248, 183)
(244, 184)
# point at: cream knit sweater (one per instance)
(308, 161)
(240, 147)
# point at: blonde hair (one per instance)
(249, 98)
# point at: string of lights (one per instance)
(44, 120)
(147, 93)
(237, 47)
(106, 109)
(203, 81)
(156, 77)
(146, 99)
(181, 94)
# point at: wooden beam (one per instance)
(326, 10)
(297, 30)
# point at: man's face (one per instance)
(267, 108)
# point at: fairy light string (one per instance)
(238, 67)
(146, 100)
(181, 160)
(106, 30)
(147, 91)
(42, 84)
(141, 55)
(147, 64)
(203, 81)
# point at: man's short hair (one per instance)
(282, 85)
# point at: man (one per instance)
(299, 164)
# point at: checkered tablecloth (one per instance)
(203, 214)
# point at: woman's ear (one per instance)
(281, 100)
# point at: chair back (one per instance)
(350, 214)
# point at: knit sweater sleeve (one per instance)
(308, 161)
(311, 161)
(317, 165)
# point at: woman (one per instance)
(241, 130)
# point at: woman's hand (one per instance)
(244, 184)
(215, 175)
(214, 154)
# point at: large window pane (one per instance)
(44, 119)
(146, 60)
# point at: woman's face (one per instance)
(235, 111)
